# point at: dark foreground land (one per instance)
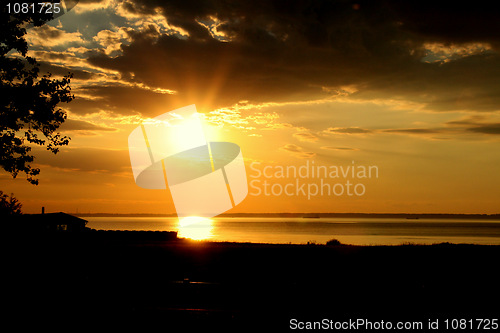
(71, 282)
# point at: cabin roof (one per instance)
(59, 217)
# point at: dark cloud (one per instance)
(277, 51)
(486, 129)
(348, 130)
(297, 151)
(85, 159)
(48, 32)
(71, 125)
(470, 83)
(209, 73)
(450, 21)
(413, 131)
(292, 148)
(285, 51)
(305, 136)
(118, 98)
(340, 22)
(476, 124)
(338, 148)
(85, 2)
(57, 70)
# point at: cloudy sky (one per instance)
(412, 88)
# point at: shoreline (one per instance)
(317, 215)
(161, 236)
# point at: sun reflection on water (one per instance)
(195, 227)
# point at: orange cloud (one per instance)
(297, 151)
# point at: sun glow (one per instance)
(195, 227)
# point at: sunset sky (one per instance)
(413, 89)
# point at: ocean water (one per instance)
(356, 231)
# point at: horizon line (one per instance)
(306, 214)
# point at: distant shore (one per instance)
(318, 215)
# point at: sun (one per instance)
(195, 227)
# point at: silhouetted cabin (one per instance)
(49, 222)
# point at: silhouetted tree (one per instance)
(28, 103)
(9, 205)
(333, 242)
